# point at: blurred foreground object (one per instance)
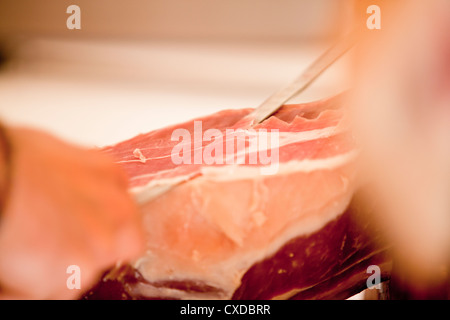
(65, 206)
(401, 112)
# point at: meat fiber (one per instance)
(228, 231)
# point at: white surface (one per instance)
(99, 93)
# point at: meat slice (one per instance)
(228, 230)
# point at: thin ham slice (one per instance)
(227, 231)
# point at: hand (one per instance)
(402, 118)
(66, 206)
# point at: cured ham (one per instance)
(228, 231)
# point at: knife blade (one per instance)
(304, 80)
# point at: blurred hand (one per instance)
(401, 109)
(66, 206)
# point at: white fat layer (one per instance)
(284, 139)
(156, 187)
(147, 290)
(237, 172)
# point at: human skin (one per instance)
(65, 206)
(401, 113)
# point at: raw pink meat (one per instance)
(228, 231)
